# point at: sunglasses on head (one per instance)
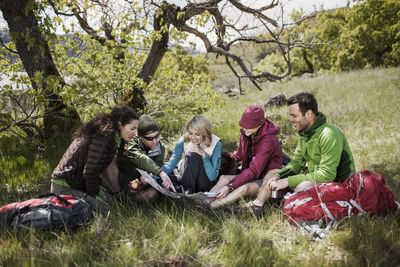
(152, 137)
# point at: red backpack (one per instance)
(320, 202)
(46, 212)
(327, 203)
(370, 192)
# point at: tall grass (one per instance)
(364, 104)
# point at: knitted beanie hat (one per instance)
(252, 117)
(147, 125)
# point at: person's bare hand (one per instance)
(282, 183)
(272, 182)
(198, 150)
(142, 180)
(279, 184)
(223, 192)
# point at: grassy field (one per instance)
(364, 104)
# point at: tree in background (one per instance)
(365, 35)
(371, 36)
(34, 53)
(111, 51)
(219, 24)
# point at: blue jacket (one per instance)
(211, 163)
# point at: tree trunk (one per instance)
(35, 55)
(135, 98)
(309, 64)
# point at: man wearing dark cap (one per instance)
(259, 152)
(145, 152)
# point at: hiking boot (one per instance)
(248, 207)
(179, 189)
(202, 205)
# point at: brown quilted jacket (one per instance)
(84, 160)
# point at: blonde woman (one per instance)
(196, 159)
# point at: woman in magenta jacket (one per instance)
(260, 153)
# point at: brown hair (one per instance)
(105, 124)
(306, 101)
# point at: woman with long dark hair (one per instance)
(89, 161)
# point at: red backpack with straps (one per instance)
(361, 193)
(48, 211)
(325, 201)
(371, 193)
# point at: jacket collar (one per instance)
(321, 119)
(255, 134)
(117, 139)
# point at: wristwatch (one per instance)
(230, 187)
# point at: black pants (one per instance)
(124, 179)
(194, 176)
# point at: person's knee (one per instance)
(153, 194)
(193, 156)
(109, 177)
(150, 194)
(264, 185)
(270, 174)
(146, 195)
(303, 185)
(264, 182)
(243, 190)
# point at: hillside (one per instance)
(365, 104)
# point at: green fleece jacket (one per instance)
(324, 150)
(136, 156)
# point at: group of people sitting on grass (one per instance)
(105, 153)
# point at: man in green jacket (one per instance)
(322, 148)
(145, 152)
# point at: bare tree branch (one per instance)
(219, 36)
(257, 12)
(85, 25)
(31, 125)
(223, 48)
(235, 73)
(57, 11)
(6, 47)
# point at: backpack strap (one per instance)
(63, 200)
(314, 228)
(47, 195)
(346, 204)
(355, 204)
(361, 184)
(298, 202)
(327, 212)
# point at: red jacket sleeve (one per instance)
(265, 151)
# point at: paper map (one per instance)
(151, 181)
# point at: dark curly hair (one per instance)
(104, 124)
